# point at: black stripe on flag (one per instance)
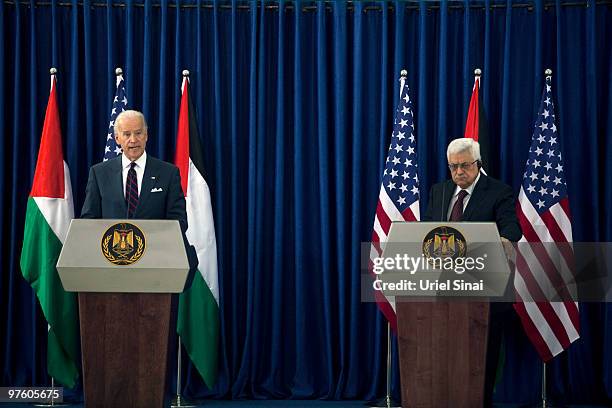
(195, 146)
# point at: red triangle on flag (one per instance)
(49, 174)
(473, 120)
(181, 156)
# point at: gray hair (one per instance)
(129, 114)
(464, 144)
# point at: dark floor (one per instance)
(293, 404)
(246, 403)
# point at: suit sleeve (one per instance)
(175, 207)
(505, 214)
(92, 207)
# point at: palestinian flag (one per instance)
(198, 316)
(476, 123)
(48, 214)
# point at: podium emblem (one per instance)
(444, 242)
(123, 244)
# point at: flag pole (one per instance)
(388, 401)
(547, 75)
(178, 401)
(52, 403)
(476, 136)
(402, 80)
(477, 75)
(52, 388)
(544, 385)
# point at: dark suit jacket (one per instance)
(104, 197)
(491, 200)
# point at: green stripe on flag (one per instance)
(198, 326)
(41, 248)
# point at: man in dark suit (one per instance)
(110, 189)
(136, 185)
(472, 196)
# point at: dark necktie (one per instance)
(457, 212)
(131, 191)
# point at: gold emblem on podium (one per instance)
(123, 244)
(444, 242)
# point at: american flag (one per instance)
(111, 149)
(543, 211)
(398, 199)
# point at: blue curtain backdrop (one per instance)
(295, 104)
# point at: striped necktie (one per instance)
(457, 212)
(131, 191)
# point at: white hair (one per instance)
(464, 144)
(129, 114)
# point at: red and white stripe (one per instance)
(543, 271)
(386, 213)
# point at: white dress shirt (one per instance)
(453, 200)
(140, 168)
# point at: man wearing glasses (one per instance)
(473, 196)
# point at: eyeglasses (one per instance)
(463, 166)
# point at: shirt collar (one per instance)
(140, 162)
(470, 189)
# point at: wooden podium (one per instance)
(124, 343)
(443, 340)
(442, 350)
(125, 309)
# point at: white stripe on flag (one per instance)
(201, 228)
(374, 253)
(389, 207)
(544, 235)
(414, 207)
(521, 288)
(382, 236)
(537, 272)
(58, 212)
(564, 223)
(561, 311)
(543, 328)
(534, 218)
